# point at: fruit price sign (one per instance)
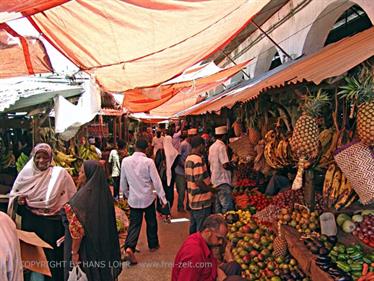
(98, 130)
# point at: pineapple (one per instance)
(305, 138)
(280, 247)
(365, 123)
(360, 93)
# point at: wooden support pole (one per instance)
(120, 136)
(115, 130)
(101, 123)
(309, 192)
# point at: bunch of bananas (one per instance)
(337, 191)
(65, 161)
(21, 161)
(7, 160)
(277, 152)
(47, 135)
(329, 140)
(88, 152)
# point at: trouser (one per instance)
(169, 195)
(116, 187)
(136, 219)
(223, 200)
(197, 218)
(181, 184)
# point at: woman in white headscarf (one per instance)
(166, 162)
(38, 195)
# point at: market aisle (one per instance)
(157, 265)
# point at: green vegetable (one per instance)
(356, 267)
(351, 250)
(356, 273)
(341, 249)
(366, 259)
(343, 266)
(333, 253)
(371, 256)
(356, 256)
(342, 257)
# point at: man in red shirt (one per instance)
(195, 260)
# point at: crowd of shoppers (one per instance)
(83, 215)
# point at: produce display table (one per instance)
(304, 257)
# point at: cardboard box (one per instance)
(33, 257)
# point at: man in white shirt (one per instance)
(10, 253)
(157, 142)
(220, 168)
(139, 178)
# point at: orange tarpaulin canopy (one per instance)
(186, 99)
(332, 60)
(13, 9)
(135, 43)
(168, 99)
(21, 56)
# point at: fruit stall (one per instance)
(319, 139)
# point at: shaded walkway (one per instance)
(157, 265)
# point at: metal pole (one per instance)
(271, 39)
(230, 59)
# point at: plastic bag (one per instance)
(77, 274)
(328, 224)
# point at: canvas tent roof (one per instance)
(326, 63)
(20, 55)
(91, 33)
(181, 92)
(14, 9)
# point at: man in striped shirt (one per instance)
(198, 185)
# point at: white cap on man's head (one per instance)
(192, 132)
(221, 130)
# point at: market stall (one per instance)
(327, 209)
(304, 187)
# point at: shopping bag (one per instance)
(77, 274)
(164, 211)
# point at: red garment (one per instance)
(75, 227)
(194, 261)
(205, 136)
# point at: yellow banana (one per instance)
(345, 196)
(328, 180)
(325, 137)
(335, 186)
(350, 201)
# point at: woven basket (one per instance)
(357, 163)
(243, 148)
